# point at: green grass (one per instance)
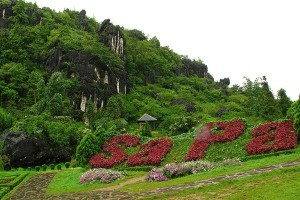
(247, 165)
(278, 184)
(67, 181)
(181, 145)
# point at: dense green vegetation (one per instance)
(72, 83)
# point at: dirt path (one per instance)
(130, 181)
(35, 188)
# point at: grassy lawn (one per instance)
(68, 181)
(278, 184)
(247, 165)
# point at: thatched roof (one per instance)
(146, 118)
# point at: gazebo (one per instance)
(146, 118)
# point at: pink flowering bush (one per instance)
(151, 153)
(118, 155)
(275, 136)
(156, 174)
(178, 169)
(100, 175)
(206, 137)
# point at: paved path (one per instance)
(35, 187)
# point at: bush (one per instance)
(295, 111)
(44, 167)
(29, 168)
(101, 175)
(37, 168)
(88, 147)
(52, 166)
(67, 165)
(182, 125)
(58, 167)
(74, 163)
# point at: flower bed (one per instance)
(206, 137)
(178, 169)
(151, 153)
(118, 155)
(275, 136)
(100, 175)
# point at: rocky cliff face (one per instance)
(6, 10)
(99, 81)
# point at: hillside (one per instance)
(63, 75)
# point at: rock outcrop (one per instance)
(98, 80)
(25, 150)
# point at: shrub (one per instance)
(118, 155)
(88, 147)
(174, 170)
(44, 167)
(67, 165)
(29, 168)
(58, 167)
(100, 175)
(151, 153)
(210, 134)
(182, 125)
(52, 166)
(280, 135)
(295, 112)
(156, 174)
(37, 168)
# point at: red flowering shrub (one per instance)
(151, 153)
(279, 135)
(117, 153)
(206, 137)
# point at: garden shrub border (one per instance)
(8, 187)
(231, 131)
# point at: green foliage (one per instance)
(284, 102)
(67, 165)
(261, 101)
(295, 111)
(182, 125)
(64, 133)
(52, 166)
(88, 147)
(44, 167)
(6, 120)
(58, 166)
(37, 168)
(146, 130)
(4, 160)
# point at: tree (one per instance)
(284, 102)
(295, 110)
(13, 84)
(261, 101)
(88, 147)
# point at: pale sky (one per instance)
(234, 38)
